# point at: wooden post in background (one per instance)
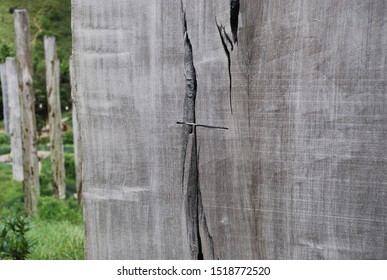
(76, 136)
(55, 116)
(5, 98)
(14, 119)
(27, 106)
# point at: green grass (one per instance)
(57, 230)
(11, 193)
(53, 210)
(56, 240)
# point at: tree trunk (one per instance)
(27, 105)
(4, 90)
(76, 136)
(55, 117)
(299, 174)
(15, 119)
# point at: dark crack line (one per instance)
(196, 221)
(234, 19)
(228, 38)
(203, 225)
(222, 31)
(190, 94)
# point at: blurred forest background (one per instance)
(56, 232)
(47, 17)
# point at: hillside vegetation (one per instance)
(56, 232)
(47, 17)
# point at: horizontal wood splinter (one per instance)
(203, 125)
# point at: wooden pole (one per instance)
(14, 120)
(27, 105)
(299, 174)
(77, 137)
(54, 117)
(5, 97)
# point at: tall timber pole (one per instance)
(55, 116)
(27, 105)
(14, 118)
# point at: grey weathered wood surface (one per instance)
(55, 116)
(14, 119)
(4, 90)
(27, 105)
(301, 172)
(76, 135)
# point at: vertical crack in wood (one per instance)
(223, 35)
(190, 95)
(234, 15)
(195, 216)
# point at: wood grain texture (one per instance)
(27, 105)
(55, 116)
(300, 172)
(76, 136)
(15, 119)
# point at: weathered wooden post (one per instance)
(4, 89)
(27, 106)
(55, 116)
(15, 119)
(301, 86)
(76, 135)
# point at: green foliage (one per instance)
(5, 144)
(43, 143)
(52, 209)
(54, 21)
(47, 17)
(4, 139)
(13, 241)
(46, 179)
(11, 193)
(68, 148)
(5, 149)
(54, 14)
(5, 51)
(43, 140)
(57, 229)
(70, 174)
(45, 22)
(67, 137)
(70, 166)
(12, 9)
(46, 186)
